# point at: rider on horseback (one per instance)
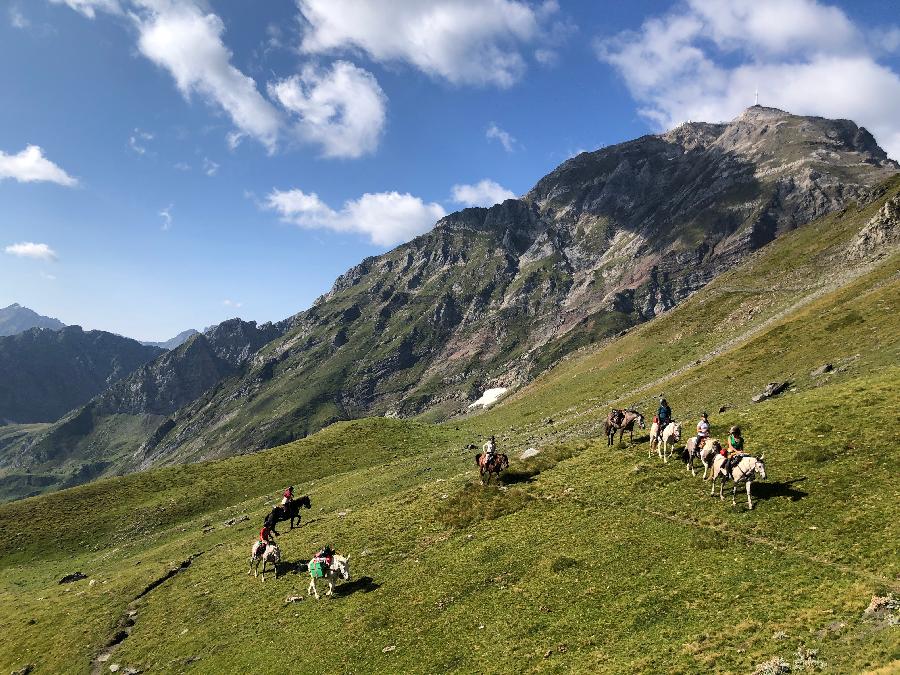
(663, 415)
(702, 431)
(326, 555)
(735, 450)
(287, 497)
(490, 447)
(266, 534)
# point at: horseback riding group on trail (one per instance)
(721, 462)
(325, 564)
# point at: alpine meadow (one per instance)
(641, 418)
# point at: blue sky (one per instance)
(166, 165)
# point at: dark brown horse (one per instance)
(292, 512)
(493, 466)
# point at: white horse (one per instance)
(745, 471)
(339, 568)
(671, 433)
(654, 439)
(704, 454)
(267, 553)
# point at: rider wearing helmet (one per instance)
(663, 415)
(702, 430)
(735, 450)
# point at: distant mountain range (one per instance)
(17, 319)
(488, 298)
(45, 373)
(176, 341)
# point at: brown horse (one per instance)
(611, 426)
(622, 421)
(491, 467)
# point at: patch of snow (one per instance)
(530, 452)
(489, 397)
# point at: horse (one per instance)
(708, 453)
(746, 470)
(654, 438)
(495, 465)
(631, 416)
(292, 511)
(671, 432)
(267, 553)
(613, 424)
(704, 453)
(339, 568)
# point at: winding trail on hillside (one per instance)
(777, 546)
(129, 617)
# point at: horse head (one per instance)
(478, 459)
(761, 466)
(504, 462)
(304, 502)
(640, 419)
(676, 431)
(342, 566)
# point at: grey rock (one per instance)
(821, 370)
(772, 389)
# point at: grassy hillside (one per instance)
(585, 558)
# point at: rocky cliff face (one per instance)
(491, 297)
(45, 373)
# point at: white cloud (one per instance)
(210, 168)
(182, 166)
(462, 41)
(704, 60)
(506, 139)
(29, 249)
(483, 193)
(137, 141)
(90, 7)
(31, 166)
(166, 215)
(341, 109)
(387, 218)
(232, 303)
(17, 19)
(186, 41)
(48, 277)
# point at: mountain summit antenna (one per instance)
(756, 97)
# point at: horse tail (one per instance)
(478, 459)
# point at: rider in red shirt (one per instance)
(288, 496)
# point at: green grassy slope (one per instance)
(587, 558)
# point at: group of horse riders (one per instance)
(268, 531)
(733, 452)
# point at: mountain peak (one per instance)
(17, 319)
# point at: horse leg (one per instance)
(749, 501)
(250, 569)
(712, 490)
(721, 487)
(264, 569)
(312, 587)
(330, 590)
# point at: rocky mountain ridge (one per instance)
(492, 297)
(44, 372)
(16, 319)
